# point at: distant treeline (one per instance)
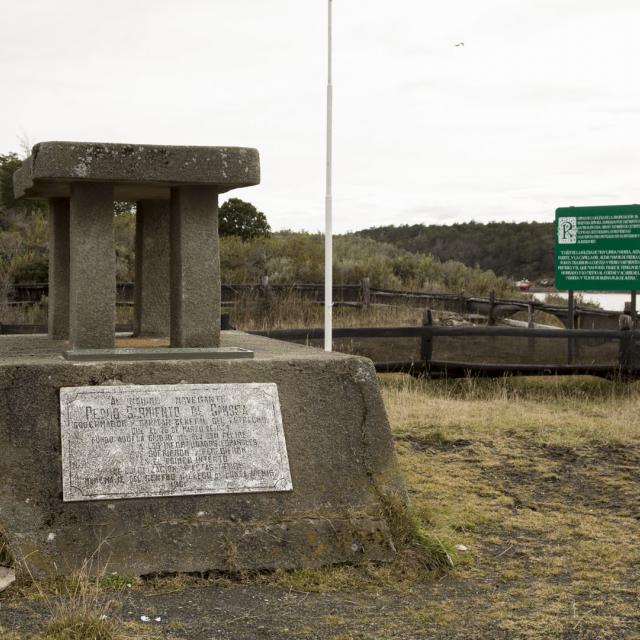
(511, 249)
(286, 257)
(247, 251)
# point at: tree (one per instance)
(240, 218)
(8, 164)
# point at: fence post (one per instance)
(571, 320)
(626, 352)
(366, 292)
(265, 287)
(492, 303)
(462, 303)
(266, 295)
(531, 342)
(577, 342)
(426, 342)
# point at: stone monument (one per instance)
(222, 451)
(177, 263)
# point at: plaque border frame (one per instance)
(66, 456)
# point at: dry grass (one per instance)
(253, 312)
(553, 410)
(7, 634)
(24, 314)
(294, 310)
(540, 479)
(80, 607)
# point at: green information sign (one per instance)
(598, 248)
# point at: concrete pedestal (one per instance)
(195, 267)
(151, 298)
(92, 274)
(59, 268)
(339, 447)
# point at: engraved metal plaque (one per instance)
(144, 441)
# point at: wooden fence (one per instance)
(592, 343)
(363, 294)
(626, 361)
(622, 348)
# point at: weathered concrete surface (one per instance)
(92, 176)
(151, 295)
(195, 268)
(137, 171)
(338, 441)
(92, 272)
(157, 353)
(59, 268)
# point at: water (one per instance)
(608, 301)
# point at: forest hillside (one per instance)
(286, 257)
(511, 249)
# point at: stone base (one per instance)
(340, 452)
(157, 353)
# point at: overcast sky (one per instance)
(539, 108)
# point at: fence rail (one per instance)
(387, 345)
(626, 354)
(363, 294)
(430, 331)
(423, 362)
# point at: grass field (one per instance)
(538, 478)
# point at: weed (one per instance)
(78, 607)
(230, 552)
(80, 625)
(413, 539)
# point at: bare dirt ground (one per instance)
(540, 480)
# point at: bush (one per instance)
(30, 267)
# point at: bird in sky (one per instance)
(460, 44)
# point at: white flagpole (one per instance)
(328, 223)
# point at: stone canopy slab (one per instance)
(136, 171)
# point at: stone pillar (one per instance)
(151, 295)
(92, 266)
(59, 268)
(195, 267)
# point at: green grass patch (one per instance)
(414, 540)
